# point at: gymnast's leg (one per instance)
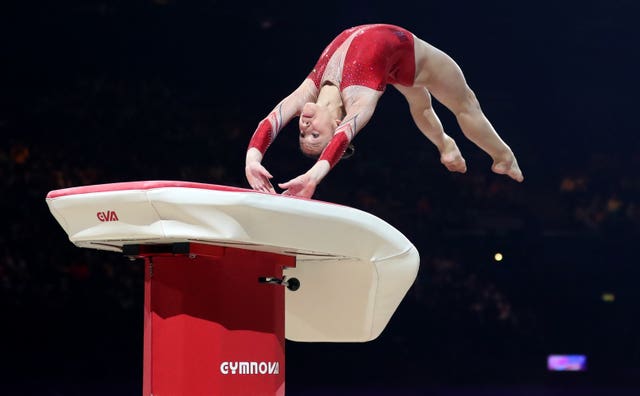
(443, 77)
(429, 124)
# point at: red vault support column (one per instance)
(210, 326)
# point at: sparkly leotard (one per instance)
(369, 55)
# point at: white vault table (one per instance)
(353, 268)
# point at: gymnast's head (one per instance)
(317, 124)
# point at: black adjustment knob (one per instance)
(292, 284)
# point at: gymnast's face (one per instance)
(317, 125)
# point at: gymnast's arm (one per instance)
(257, 176)
(360, 103)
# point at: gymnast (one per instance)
(339, 96)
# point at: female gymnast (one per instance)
(339, 96)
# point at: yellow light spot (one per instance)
(498, 257)
(608, 297)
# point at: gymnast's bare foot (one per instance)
(451, 157)
(507, 165)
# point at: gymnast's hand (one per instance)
(301, 186)
(258, 177)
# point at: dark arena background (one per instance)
(100, 91)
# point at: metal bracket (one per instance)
(292, 284)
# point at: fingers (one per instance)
(258, 177)
(266, 188)
(291, 188)
(262, 185)
(294, 187)
(266, 173)
(270, 188)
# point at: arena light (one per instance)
(567, 363)
(608, 297)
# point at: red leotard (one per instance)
(369, 55)
(374, 56)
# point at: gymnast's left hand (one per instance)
(258, 177)
(301, 186)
